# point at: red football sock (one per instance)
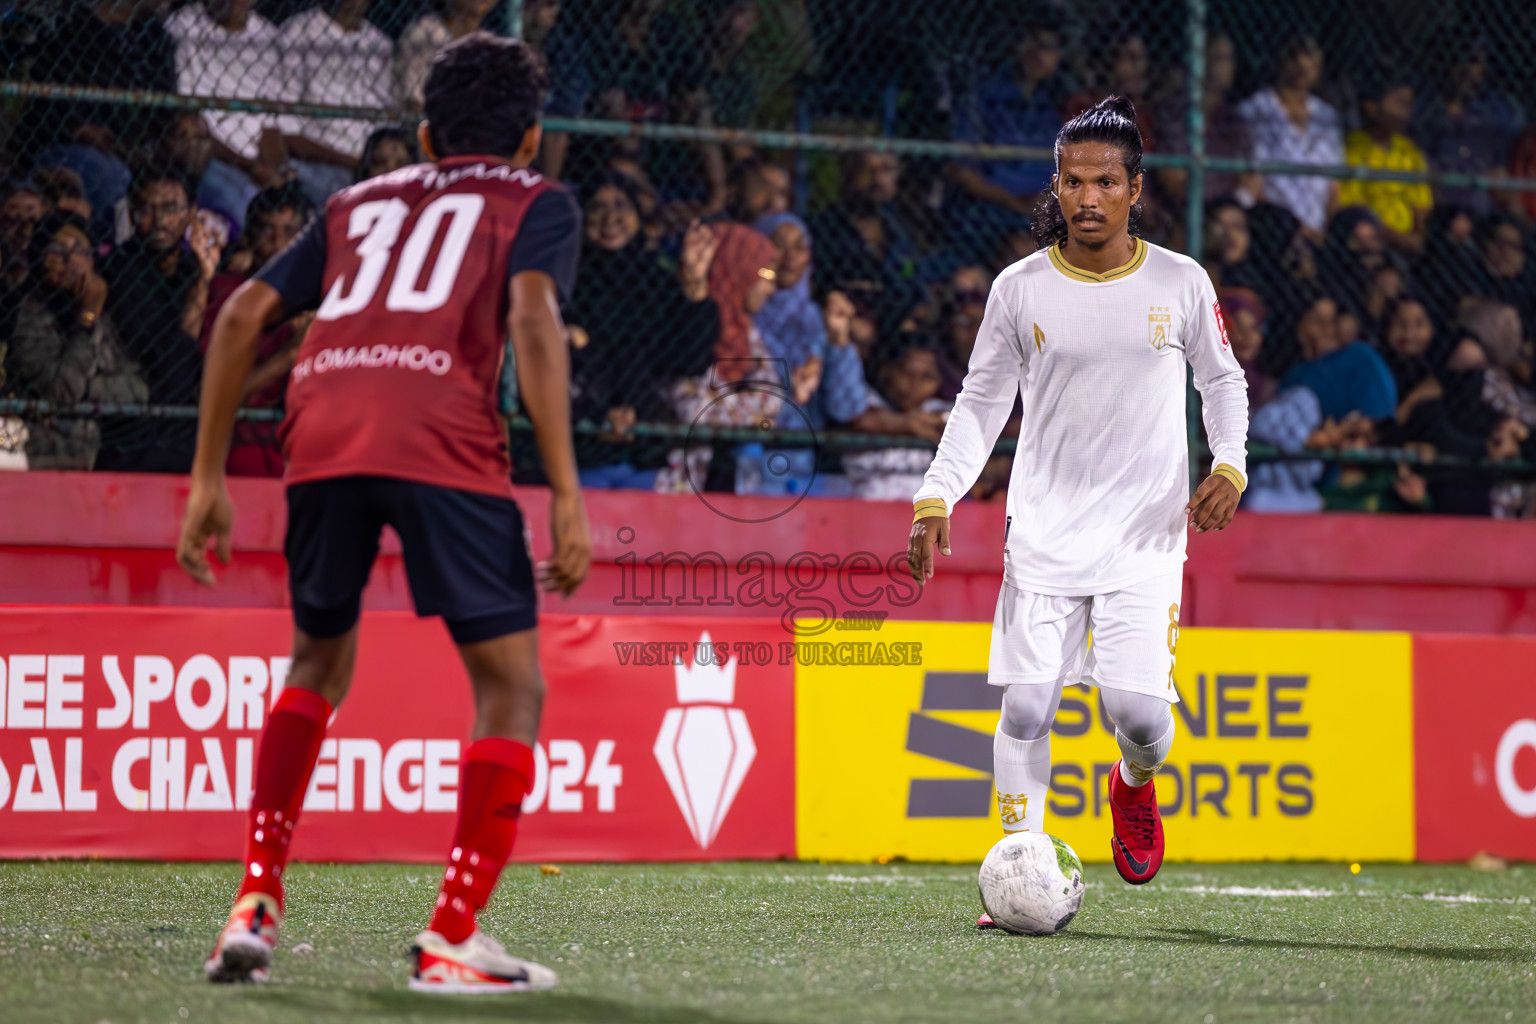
(284, 760)
(493, 780)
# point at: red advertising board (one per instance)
(1475, 746)
(131, 733)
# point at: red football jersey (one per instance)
(408, 276)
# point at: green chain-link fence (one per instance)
(1361, 186)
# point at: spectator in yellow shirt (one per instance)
(1403, 206)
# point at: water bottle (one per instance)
(749, 468)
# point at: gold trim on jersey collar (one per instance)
(1077, 274)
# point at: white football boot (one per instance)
(477, 965)
(244, 949)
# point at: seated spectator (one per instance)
(225, 48)
(964, 304)
(187, 147)
(1355, 250)
(1403, 207)
(1126, 72)
(1489, 393)
(1389, 282)
(63, 189)
(1506, 273)
(453, 19)
(864, 245)
(1291, 125)
(757, 188)
(636, 331)
(1020, 104)
(733, 75)
(1451, 264)
(1244, 314)
(908, 402)
(275, 217)
(20, 212)
(335, 56)
(647, 62)
(388, 149)
(744, 386)
(1467, 125)
(1346, 376)
(1226, 133)
(64, 347)
(157, 294)
(106, 44)
(826, 375)
(1228, 246)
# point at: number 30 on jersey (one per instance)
(378, 224)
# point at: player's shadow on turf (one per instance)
(1204, 937)
(542, 1006)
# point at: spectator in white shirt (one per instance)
(335, 56)
(428, 34)
(225, 49)
(1291, 125)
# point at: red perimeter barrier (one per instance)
(131, 733)
(76, 538)
(1474, 738)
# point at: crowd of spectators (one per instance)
(725, 285)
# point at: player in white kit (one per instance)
(1093, 333)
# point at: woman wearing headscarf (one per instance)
(825, 374)
(1356, 248)
(744, 387)
(636, 329)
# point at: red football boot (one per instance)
(985, 921)
(1138, 841)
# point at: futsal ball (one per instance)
(1031, 883)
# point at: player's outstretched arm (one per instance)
(231, 354)
(544, 385)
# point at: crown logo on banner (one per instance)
(701, 680)
(704, 747)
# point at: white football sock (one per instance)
(1022, 769)
(1140, 762)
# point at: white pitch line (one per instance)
(1267, 892)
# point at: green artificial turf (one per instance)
(105, 941)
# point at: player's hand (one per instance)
(928, 534)
(1214, 504)
(700, 244)
(210, 516)
(567, 566)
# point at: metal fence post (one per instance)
(1194, 193)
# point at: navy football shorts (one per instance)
(466, 555)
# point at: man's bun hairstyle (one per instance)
(482, 95)
(1111, 121)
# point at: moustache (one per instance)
(1085, 217)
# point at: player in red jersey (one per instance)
(417, 278)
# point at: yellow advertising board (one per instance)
(1290, 746)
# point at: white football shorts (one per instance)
(1038, 638)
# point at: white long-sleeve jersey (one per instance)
(1101, 474)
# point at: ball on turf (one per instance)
(1031, 883)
